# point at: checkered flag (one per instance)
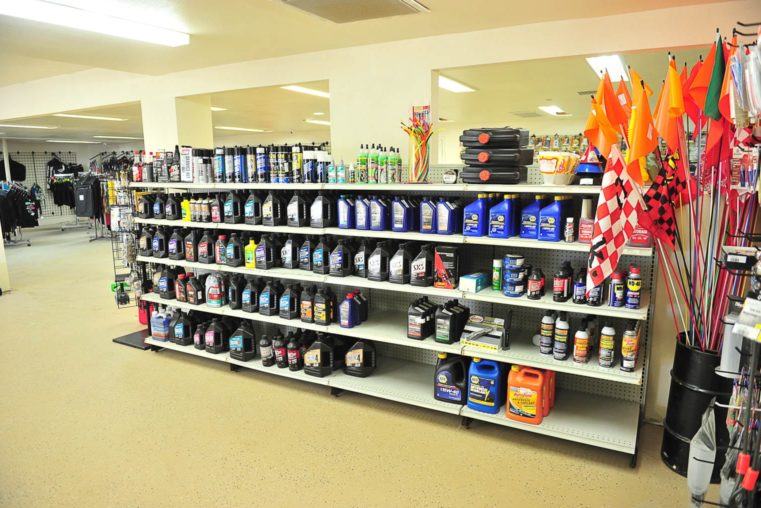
(618, 206)
(659, 216)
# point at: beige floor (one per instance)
(85, 422)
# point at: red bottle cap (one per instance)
(483, 156)
(743, 461)
(634, 269)
(484, 138)
(350, 296)
(484, 175)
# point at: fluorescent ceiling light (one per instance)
(89, 21)
(215, 108)
(308, 91)
(317, 122)
(91, 117)
(554, 111)
(8, 125)
(73, 141)
(116, 137)
(612, 63)
(453, 86)
(318, 113)
(243, 129)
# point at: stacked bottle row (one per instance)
(317, 353)
(396, 262)
(555, 338)
(269, 298)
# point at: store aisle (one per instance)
(85, 422)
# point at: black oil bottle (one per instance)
(324, 307)
(341, 260)
(289, 302)
(250, 296)
(360, 259)
(307, 305)
(450, 380)
(319, 360)
(217, 337)
(269, 298)
(363, 305)
(421, 268)
(234, 254)
(159, 243)
(279, 344)
(321, 214)
(321, 256)
(243, 342)
(145, 243)
(166, 283)
(289, 254)
(176, 245)
(377, 263)
(181, 332)
(235, 292)
(273, 211)
(265, 253)
(159, 210)
(199, 336)
(195, 291)
(360, 359)
(252, 209)
(305, 254)
(293, 351)
(266, 351)
(233, 208)
(191, 246)
(172, 209)
(535, 285)
(145, 206)
(297, 211)
(216, 209)
(206, 248)
(399, 265)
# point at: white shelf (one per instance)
(584, 418)
(379, 187)
(581, 417)
(534, 189)
(522, 243)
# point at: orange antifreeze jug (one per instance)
(526, 395)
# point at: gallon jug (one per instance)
(289, 303)
(199, 336)
(234, 252)
(289, 254)
(401, 215)
(145, 243)
(249, 299)
(450, 383)
(502, 218)
(265, 254)
(206, 248)
(235, 292)
(305, 254)
(269, 298)
(551, 221)
(166, 283)
(195, 291)
(447, 217)
(182, 331)
(526, 395)
(145, 206)
(377, 263)
(273, 211)
(216, 290)
(243, 343)
(360, 259)
(252, 209)
(250, 254)
(341, 260)
(159, 207)
(348, 312)
(233, 209)
(321, 212)
(180, 288)
(428, 216)
(360, 359)
(159, 243)
(216, 337)
(379, 214)
(421, 268)
(530, 218)
(324, 307)
(345, 212)
(475, 217)
(297, 212)
(307, 305)
(191, 246)
(321, 257)
(322, 357)
(220, 250)
(362, 304)
(172, 208)
(486, 385)
(362, 213)
(160, 325)
(216, 209)
(399, 265)
(176, 245)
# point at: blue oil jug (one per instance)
(401, 215)
(530, 218)
(551, 221)
(428, 216)
(345, 212)
(502, 218)
(348, 312)
(486, 386)
(447, 217)
(378, 213)
(475, 217)
(362, 213)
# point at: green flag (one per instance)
(714, 87)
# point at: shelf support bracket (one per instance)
(234, 368)
(335, 392)
(465, 422)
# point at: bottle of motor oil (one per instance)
(266, 351)
(595, 296)
(235, 292)
(204, 209)
(195, 291)
(145, 244)
(322, 308)
(279, 344)
(446, 325)
(252, 209)
(562, 283)
(450, 380)
(249, 252)
(321, 212)
(190, 243)
(475, 217)
(362, 213)
(265, 254)
(180, 287)
(249, 299)
(348, 312)
(377, 263)
(216, 337)
(421, 267)
(159, 243)
(293, 353)
(560, 343)
(234, 251)
(159, 207)
(362, 304)
(530, 218)
(289, 254)
(185, 209)
(346, 212)
(319, 360)
(551, 221)
(630, 347)
(182, 330)
(379, 213)
(633, 290)
(401, 215)
(216, 292)
(420, 317)
(199, 336)
(321, 257)
(486, 387)
(305, 254)
(617, 291)
(176, 245)
(160, 325)
(307, 305)
(399, 265)
(535, 284)
(428, 216)
(360, 259)
(172, 208)
(501, 218)
(448, 219)
(297, 212)
(273, 211)
(341, 260)
(233, 209)
(580, 287)
(243, 343)
(269, 299)
(547, 333)
(145, 206)
(166, 283)
(289, 302)
(360, 360)
(216, 209)
(606, 355)
(581, 344)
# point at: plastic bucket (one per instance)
(693, 384)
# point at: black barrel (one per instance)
(693, 384)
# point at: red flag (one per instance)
(618, 207)
(690, 106)
(699, 86)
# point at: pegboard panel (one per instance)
(37, 172)
(436, 172)
(406, 353)
(599, 387)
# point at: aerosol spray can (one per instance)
(581, 344)
(630, 347)
(617, 292)
(580, 288)
(560, 341)
(606, 355)
(633, 288)
(546, 333)
(496, 274)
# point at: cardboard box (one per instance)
(446, 267)
(474, 282)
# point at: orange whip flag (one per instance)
(699, 85)
(598, 130)
(638, 83)
(612, 105)
(623, 98)
(690, 106)
(669, 110)
(643, 138)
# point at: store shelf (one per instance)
(190, 350)
(523, 352)
(534, 189)
(299, 375)
(391, 187)
(361, 282)
(581, 417)
(386, 235)
(546, 302)
(526, 243)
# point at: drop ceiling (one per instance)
(227, 31)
